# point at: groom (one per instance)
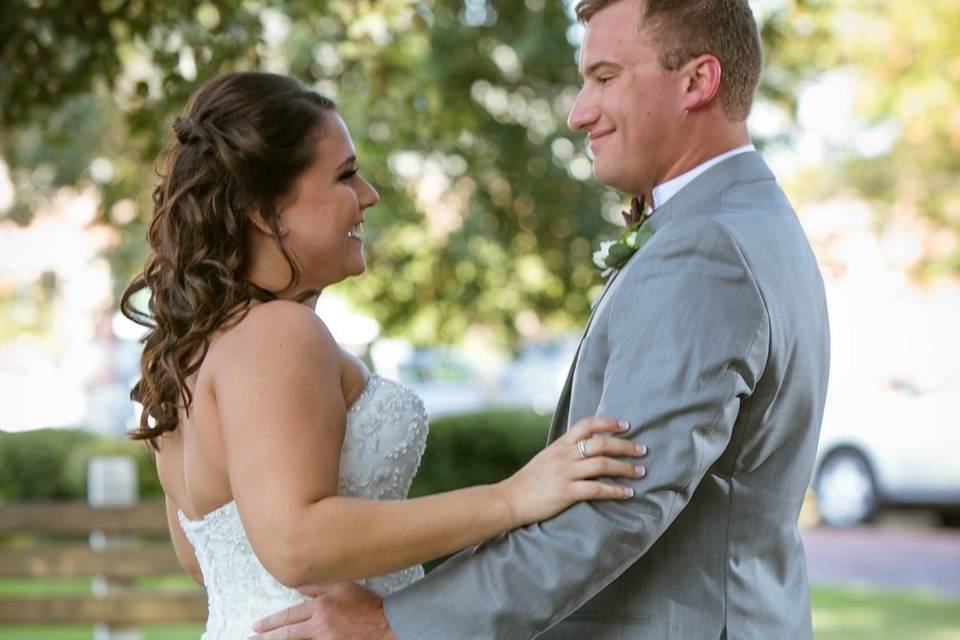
(712, 340)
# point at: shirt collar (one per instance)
(670, 188)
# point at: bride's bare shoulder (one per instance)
(274, 329)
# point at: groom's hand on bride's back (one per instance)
(335, 612)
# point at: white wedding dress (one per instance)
(386, 432)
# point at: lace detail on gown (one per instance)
(386, 432)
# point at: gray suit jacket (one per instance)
(713, 342)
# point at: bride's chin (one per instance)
(352, 270)
(358, 266)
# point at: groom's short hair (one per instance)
(685, 29)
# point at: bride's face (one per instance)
(321, 222)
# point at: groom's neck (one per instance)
(703, 139)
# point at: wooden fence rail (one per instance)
(80, 517)
(47, 546)
(69, 561)
(131, 610)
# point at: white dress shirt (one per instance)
(670, 188)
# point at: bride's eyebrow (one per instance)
(349, 162)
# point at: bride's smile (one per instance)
(321, 223)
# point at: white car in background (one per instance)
(897, 447)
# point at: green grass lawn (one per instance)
(838, 614)
(862, 614)
(81, 586)
(171, 632)
(35, 588)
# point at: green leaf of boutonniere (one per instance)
(613, 254)
(618, 254)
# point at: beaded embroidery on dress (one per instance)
(386, 432)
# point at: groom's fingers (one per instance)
(271, 627)
(293, 632)
(283, 633)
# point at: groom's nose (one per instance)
(584, 112)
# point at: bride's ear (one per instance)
(263, 227)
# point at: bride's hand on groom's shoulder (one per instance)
(569, 471)
(334, 612)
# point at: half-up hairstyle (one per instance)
(240, 146)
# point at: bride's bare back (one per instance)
(383, 438)
(192, 462)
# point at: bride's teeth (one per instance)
(356, 231)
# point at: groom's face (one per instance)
(629, 105)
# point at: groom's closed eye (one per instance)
(600, 70)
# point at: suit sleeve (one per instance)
(687, 338)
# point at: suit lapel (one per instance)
(744, 167)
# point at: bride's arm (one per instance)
(282, 414)
(181, 546)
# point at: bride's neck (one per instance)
(270, 271)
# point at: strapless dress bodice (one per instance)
(386, 432)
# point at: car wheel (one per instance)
(845, 489)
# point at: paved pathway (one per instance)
(886, 557)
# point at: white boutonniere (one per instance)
(613, 254)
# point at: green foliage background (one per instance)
(465, 450)
(474, 92)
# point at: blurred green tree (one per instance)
(479, 220)
(457, 108)
(904, 59)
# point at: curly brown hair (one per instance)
(240, 146)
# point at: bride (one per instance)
(285, 463)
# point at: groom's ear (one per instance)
(701, 76)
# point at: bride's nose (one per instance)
(369, 197)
